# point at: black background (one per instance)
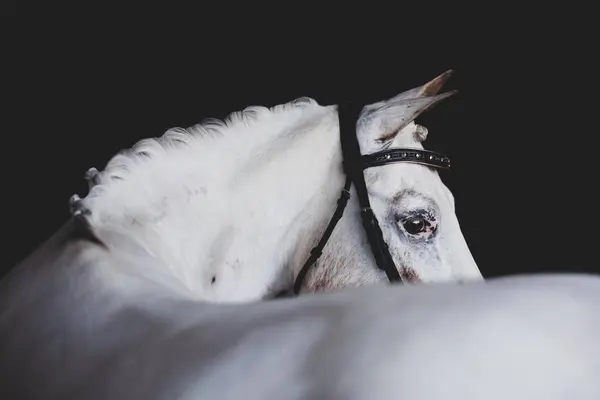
(524, 166)
(8, 8)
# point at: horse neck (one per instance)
(229, 226)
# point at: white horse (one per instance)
(229, 211)
(123, 301)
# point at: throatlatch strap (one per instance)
(316, 252)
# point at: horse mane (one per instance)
(121, 164)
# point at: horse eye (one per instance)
(415, 225)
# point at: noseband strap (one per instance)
(354, 166)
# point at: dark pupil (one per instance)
(414, 226)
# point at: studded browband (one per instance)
(417, 156)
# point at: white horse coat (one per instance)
(92, 334)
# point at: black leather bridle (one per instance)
(354, 166)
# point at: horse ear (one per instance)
(431, 88)
(381, 122)
(379, 126)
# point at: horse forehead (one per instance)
(395, 177)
